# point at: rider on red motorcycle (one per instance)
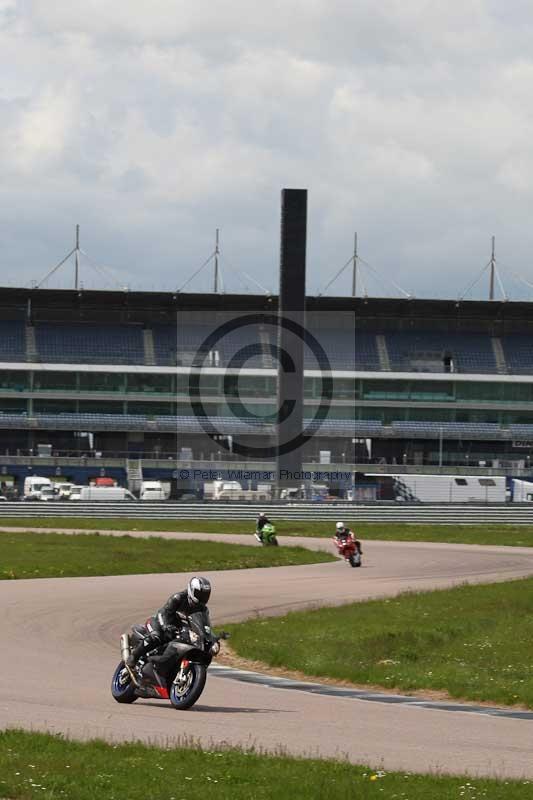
(343, 532)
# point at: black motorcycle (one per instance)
(176, 671)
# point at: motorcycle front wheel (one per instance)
(184, 694)
(122, 686)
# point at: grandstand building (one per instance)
(94, 380)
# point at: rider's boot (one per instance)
(135, 654)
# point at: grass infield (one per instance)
(472, 642)
(57, 555)
(511, 535)
(50, 767)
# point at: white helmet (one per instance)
(198, 591)
(340, 526)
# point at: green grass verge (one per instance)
(50, 767)
(56, 555)
(511, 535)
(473, 642)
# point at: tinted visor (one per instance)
(203, 593)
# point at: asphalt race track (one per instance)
(60, 647)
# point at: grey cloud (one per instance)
(151, 126)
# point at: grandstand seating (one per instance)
(423, 351)
(180, 345)
(413, 351)
(518, 352)
(231, 425)
(450, 430)
(340, 349)
(521, 431)
(89, 343)
(169, 424)
(12, 340)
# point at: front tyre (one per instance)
(184, 693)
(122, 686)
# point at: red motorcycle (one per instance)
(347, 549)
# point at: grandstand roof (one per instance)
(370, 313)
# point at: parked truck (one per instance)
(34, 486)
(423, 488)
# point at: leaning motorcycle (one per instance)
(176, 671)
(348, 550)
(269, 535)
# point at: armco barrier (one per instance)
(349, 512)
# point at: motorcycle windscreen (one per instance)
(200, 624)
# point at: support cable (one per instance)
(475, 281)
(54, 269)
(193, 276)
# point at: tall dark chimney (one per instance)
(290, 333)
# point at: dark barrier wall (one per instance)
(291, 318)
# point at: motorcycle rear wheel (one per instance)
(183, 697)
(122, 686)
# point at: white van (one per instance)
(154, 490)
(103, 494)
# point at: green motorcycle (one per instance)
(267, 535)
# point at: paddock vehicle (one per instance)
(102, 494)
(347, 549)
(154, 490)
(34, 485)
(175, 671)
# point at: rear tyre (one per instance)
(122, 686)
(185, 695)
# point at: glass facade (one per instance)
(264, 387)
(102, 381)
(155, 394)
(11, 380)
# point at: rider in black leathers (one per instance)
(162, 627)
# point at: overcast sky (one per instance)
(152, 124)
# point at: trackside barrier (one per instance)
(349, 512)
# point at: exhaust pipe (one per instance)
(125, 647)
(125, 652)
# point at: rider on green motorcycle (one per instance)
(262, 520)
